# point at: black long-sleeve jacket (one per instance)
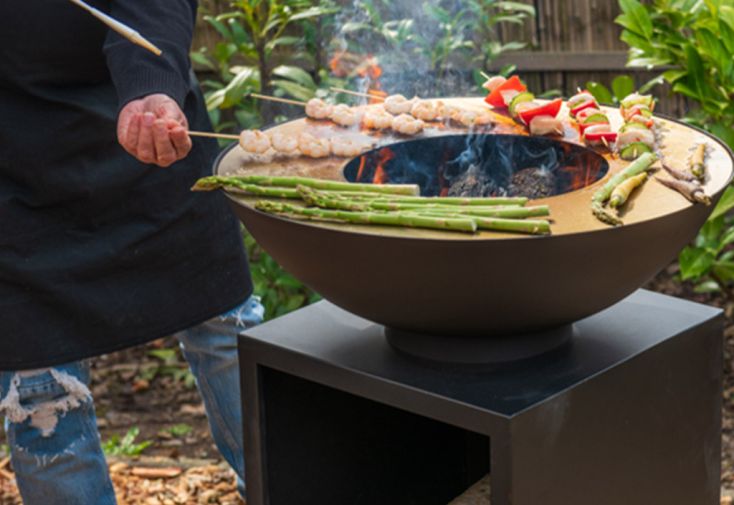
(97, 250)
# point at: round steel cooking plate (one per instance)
(488, 284)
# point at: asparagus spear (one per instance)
(292, 182)
(691, 190)
(698, 161)
(384, 219)
(330, 201)
(447, 200)
(622, 192)
(640, 165)
(530, 226)
(212, 183)
(507, 212)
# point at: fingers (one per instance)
(165, 152)
(146, 145)
(181, 141)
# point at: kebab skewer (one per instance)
(636, 136)
(540, 119)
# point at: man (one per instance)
(101, 247)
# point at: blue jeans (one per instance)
(52, 428)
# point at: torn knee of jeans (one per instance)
(44, 415)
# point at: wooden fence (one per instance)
(571, 42)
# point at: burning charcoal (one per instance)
(473, 183)
(533, 183)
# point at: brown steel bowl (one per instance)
(488, 284)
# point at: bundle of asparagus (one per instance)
(618, 189)
(383, 204)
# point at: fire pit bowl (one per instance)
(488, 284)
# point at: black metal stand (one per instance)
(626, 413)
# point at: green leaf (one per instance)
(623, 86)
(655, 81)
(294, 90)
(707, 287)
(295, 74)
(726, 203)
(600, 92)
(202, 60)
(695, 262)
(635, 18)
(724, 132)
(696, 76)
(672, 76)
(517, 7)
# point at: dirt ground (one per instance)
(173, 459)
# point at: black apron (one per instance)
(97, 251)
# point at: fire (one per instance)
(345, 65)
(362, 162)
(384, 155)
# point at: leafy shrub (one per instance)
(696, 40)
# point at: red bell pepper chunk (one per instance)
(550, 109)
(597, 137)
(495, 97)
(585, 105)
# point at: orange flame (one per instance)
(385, 154)
(362, 162)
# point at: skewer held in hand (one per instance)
(226, 136)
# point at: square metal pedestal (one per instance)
(628, 413)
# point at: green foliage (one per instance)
(696, 39)
(622, 86)
(178, 430)
(709, 261)
(125, 446)
(254, 34)
(281, 292)
(169, 364)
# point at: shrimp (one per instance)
(344, 115)
(283, 143)
(377, 119)
(493, 83)
(471, 118)
(425, 110)
(318, 109)
(407, 124)
(347, 148)
(254, 141)
(313, 147)
(398, 104)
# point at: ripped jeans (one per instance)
(52, 428)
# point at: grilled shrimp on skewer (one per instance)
(344, 115)
(377, 119)
(398, 104)
(318, 109)
(313, 147)
(347, 148)
(254, 141)
(407, 125)
(424, 110)
(287, 144)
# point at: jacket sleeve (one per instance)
(136, 72)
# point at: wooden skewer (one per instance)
(119, 27)
(611, 151)
(485, 75)
(356, 93)
(276, 99)
(214, 135)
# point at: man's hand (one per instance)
(154, 130)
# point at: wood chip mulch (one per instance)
(138, 484)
